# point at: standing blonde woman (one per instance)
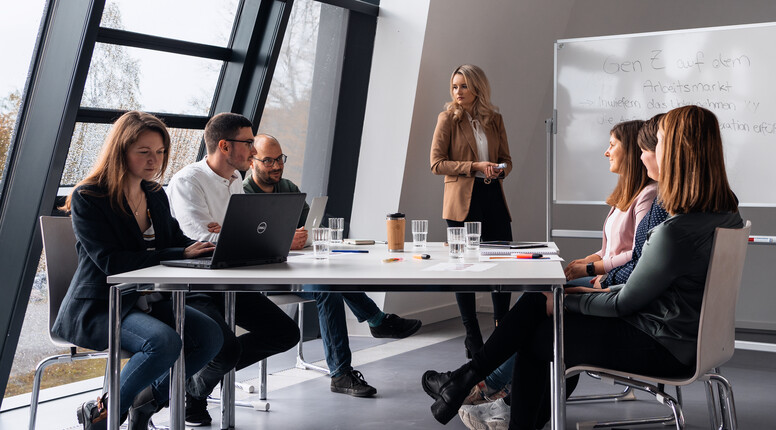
(122, 222)
(469, 144)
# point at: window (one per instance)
(20, 25)
(288, 102)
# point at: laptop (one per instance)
(257, 229)
(314, 217)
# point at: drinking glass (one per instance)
(456, 241)
(337, 225)
(321, 240)
(473, 231)
(419, 233)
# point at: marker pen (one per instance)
(762, 239)
(391, 260)
(421, 256)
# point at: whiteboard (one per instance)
(602, 81)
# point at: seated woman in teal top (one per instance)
(648, 325)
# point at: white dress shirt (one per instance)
(482, 142)
(199, 196)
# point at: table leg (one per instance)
(178, 379)
(227, 383)
(114, 358)
(558, 366)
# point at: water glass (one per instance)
(337, 225)
(321, 243)
(473, 231)
(456, 241)
(419, 233)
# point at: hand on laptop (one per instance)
(214, 227)
(198, 249)
(300, 238)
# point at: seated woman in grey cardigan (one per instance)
(625, 328)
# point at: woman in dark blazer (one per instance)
(122, 222)
(469, 143)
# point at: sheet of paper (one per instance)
(459, 267)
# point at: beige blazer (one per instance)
(454, 149)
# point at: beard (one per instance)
(266, 176)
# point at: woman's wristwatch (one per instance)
(590, 268)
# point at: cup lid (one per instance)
(395, 215)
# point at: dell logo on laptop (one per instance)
(261, 228)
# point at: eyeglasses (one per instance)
(269, 162)
(248, 143)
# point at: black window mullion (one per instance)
(108, 116)
(156, 43)
(354, 6)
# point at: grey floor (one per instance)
(402, 404)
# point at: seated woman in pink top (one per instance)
(630, 201)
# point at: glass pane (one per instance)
(88, 139)
(201, 21)
(34, 345)
(132, 78)
(19, 29)
(288, 102)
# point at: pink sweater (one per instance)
(624, 228)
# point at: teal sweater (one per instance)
(663, 295)
(283, 186)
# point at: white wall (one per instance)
(419, 43)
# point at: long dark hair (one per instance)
(110, 172)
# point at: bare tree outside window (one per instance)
(288, 102)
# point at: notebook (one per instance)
(257, 229)
(314, 217)
(512, 245)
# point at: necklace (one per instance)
(136, 208)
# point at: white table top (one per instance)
(367, 271)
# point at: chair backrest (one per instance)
(61, 263)
(716, 331)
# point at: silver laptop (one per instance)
(315, 217)
(258, 229)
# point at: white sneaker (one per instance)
(487, 416)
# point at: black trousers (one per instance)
(606, 342)
(488, 207)
(269, 331)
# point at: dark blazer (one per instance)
(108, 243)
(454, 149)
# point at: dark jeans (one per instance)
(607, 342)
(156, 346)
(269, 331)
(334, 329)
(488, 207)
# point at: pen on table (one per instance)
(391, 260)
(762, 239)
(421, 256)
(522, 256)
(352, 251)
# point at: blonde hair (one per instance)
(692, 170)
(478, 84)
(110, 171)
(633, 176)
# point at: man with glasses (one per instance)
(267, 177)
(199, 194)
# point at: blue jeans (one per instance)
(334, 328)
(155, 345)
(502, 376)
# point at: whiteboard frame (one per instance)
(551, 175)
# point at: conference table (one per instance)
(375, 270)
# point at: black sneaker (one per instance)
(396, 327)
(352, 383)
(93, 415)
(196, 412)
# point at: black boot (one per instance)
(449, 389)
(93, 415)
(143, 407)
(473, 341)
